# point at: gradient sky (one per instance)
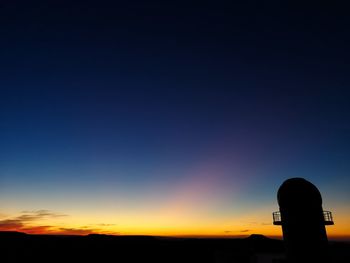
(170, 119)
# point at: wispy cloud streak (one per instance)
(29, 222)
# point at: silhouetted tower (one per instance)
(303, 221)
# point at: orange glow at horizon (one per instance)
(202, 203)
(156, 226)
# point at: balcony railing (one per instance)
(277, 220)
(327, 216)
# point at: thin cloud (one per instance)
(25, 221)
(76, 231)
(37, 229)
(10, 224)
(41, 214)
(28, 222)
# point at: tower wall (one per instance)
(303, 226)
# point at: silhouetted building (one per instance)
(303, 221)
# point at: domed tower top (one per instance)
(298, 192)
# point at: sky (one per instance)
(170, 118)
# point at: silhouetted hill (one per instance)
(12, 234)
(20, 247)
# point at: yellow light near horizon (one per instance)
(189, 223)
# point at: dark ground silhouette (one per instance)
(19, 247)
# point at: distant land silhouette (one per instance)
(20, 247)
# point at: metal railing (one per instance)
(327, 216)
(277, 220)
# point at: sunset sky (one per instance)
(170, 119)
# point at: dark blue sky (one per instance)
(135, 89)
